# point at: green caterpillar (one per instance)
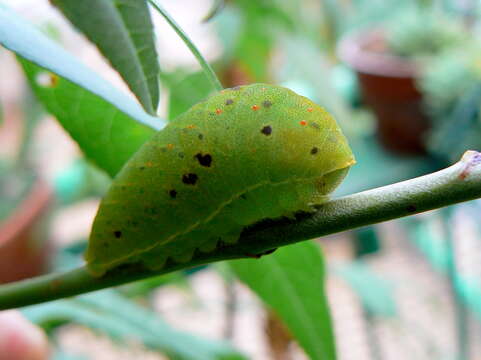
(245, 154)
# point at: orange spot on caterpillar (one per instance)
(218, 111)
(170, 146)
(310, 109)
(149, 164)
(303, 122)
(190, 126)
(255, 107)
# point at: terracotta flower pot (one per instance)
(24, 251)
(388, 86)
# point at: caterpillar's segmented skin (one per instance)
(243, 155)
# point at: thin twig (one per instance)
(209, 72)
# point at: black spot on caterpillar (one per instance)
(189, 179)
(266, 130)
(204, 160)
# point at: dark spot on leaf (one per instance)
(118, 234)
(204, 160)
(314, 150)
(229, 102)
(142, 168)
(266, 130)
(243, 196)
(189, 179)
(173, 194)
(201, 136)
(411, 208)
(267, 104)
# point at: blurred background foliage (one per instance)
(297, 44)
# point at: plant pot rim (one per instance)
(354, 50)
(26, 212)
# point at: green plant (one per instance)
(423, 32)
(452, 89)
(110, 127)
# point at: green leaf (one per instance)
(121, 319)
(22, 38)
(123, 32)
(185, 90)
(107, 136)
(108, 125)
(291, 282)
(253, 51)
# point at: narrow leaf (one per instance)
(150, 323)
(123, 32)
(120, 319)
(107, 136)
(22, 38)
(291, 282)
(108, 125)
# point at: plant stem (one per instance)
(457, 183)
(208, 71)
